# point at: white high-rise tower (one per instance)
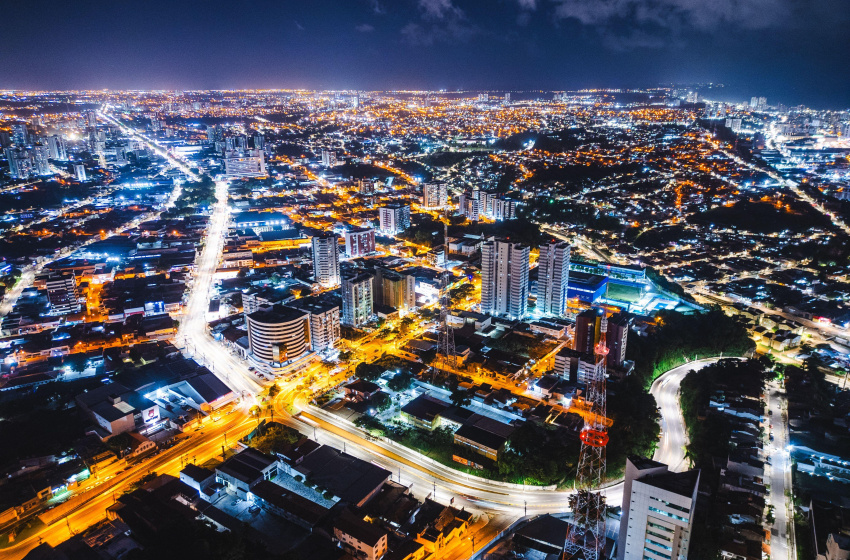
(553, 274)
(326, 259)
(504, 278)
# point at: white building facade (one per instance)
(504, 278)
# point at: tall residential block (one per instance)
(434, 195)
(553, 275)
(394, 218)
(62, 293)
(357, 300)
(329, 158)
(658, 510)
(394, 289)
(20, 163)
(40, 159)
(324, 321)
(80, 172)
(616, 337)
(588, 330)
(504, 278)
(359, 242)
(56, 148)
(326, 259)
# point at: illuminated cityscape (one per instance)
(490, 321)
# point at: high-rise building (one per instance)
(20, 163)
(329, 158)
(758, 103)
(6, 139)
(553, 275)
(359, 242)
(80, 172)
(91, 119)
(324, 322)
(259, 141)
(734, 124)
(394, 218)
(434, 195)
(244, 163)
(495, 206)
(616, 336)
(277, 335)
(589, 368)
(504, 278)
(62, 293)
(326, 259)
(213, 133)
(395, 289)
(658, 509)
(56, 148)
(357, 300)
(507, 99)
(366, 186)
(40, 159)
(469, 206)
(20, 135)
(588, 330)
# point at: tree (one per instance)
(405, 325)
(274, 437)
(461, 397)
(460, 293)
(400, 382)
(368, 372)
(381, 401)
(274, 390)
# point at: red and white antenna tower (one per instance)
(587, 533)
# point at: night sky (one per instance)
(791, 51)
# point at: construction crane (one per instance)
(586, 535)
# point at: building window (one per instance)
(666, 514)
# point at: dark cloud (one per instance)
(792, 51)
(699, 14)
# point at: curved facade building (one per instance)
(278, 335)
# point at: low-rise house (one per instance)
(424, 412)
(116, 410)
(480, 440)
(360, 390)
(291, 455)
(240, 473)
(436, 526)
(351, 479)
(288, 505)
(360, 538)
(202, 480)
(139, 445)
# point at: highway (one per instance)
(193, 323)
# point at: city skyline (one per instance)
(775, 48)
